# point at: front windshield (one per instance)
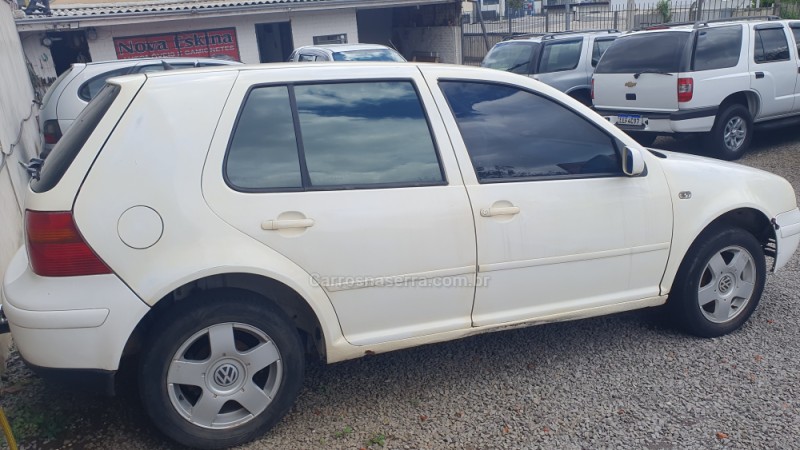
(512, 57)
(369, 55)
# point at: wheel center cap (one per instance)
(226, 375)
(725, 284)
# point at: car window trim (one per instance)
(304, 175)
(615, 142)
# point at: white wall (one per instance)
(443, 41)
(305, 25)
(16, 96)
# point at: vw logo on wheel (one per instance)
(226, 375)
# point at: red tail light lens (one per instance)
(57, 249)
(685, 89)
(51, 131)
(592, 88)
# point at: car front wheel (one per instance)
(220, 370)
(719, 283)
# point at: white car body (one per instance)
(586, 246)
(340, 52)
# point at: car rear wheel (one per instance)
(221, 370)
(719, 283)
(732, 133)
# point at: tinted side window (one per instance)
(71, 144)
(513, 57)
(771, 45)
(717, 48)
(514, 134)
(306, 58)
(600, 46)
(89, 89)
(366, 133)
(263, 150)
(560, 56)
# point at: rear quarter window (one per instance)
(660, 52)
(71, 143)
(717, 48)
(91, 88)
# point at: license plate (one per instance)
(629, 119)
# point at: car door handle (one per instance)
(759, 74)
(286, 223)
(500, 211)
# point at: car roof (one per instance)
(176, 59)
(538, 37)
(345, 47)
(687, 27)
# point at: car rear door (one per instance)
(559, 64)
(773, 70)
(355, 181)
(639, 72)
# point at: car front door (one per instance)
(773, 73)
(559, 228)
(356, 184)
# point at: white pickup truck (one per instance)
(717, 77)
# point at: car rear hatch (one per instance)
(640, 72)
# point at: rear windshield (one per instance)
(655, 52)
(71, 143)
(512, 57)
(54, 86)
(368, 55)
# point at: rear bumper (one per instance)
(699, 120)
(84, 380)
(69, 322)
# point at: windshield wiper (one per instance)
(658, 72)
(517, 66)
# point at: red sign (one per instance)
(218, 43)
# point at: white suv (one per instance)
(355, 209)
(345, 52)
(716, 77)
(563, 60)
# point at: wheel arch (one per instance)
(289, 300)
(750, 219)
(748, 99)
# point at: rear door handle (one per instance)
(759, 74)
(500, 211)
(287, 223)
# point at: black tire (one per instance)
(175, 335)
(696, 271)
(645, 139)
(731, 116)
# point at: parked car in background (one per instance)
(716, 78)
(73, 90)
(562, 60)
(342, 212)
(345, 52)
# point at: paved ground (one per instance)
(616, 382)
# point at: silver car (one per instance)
(563, 60)
(345, 52)
(73, 90)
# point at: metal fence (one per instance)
(478, 36)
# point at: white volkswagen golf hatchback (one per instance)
(224, 223)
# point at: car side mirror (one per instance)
(632, 161)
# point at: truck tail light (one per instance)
(57, 249)
(685, 89)
(51, 131)
(592, 88)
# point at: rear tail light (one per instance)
(51, 131)
(592, 88)
(57, 249)
(685, 89)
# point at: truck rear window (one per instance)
(71, 143)
(656, 52)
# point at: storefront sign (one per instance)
(218, 43)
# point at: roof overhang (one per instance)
(90, 15)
